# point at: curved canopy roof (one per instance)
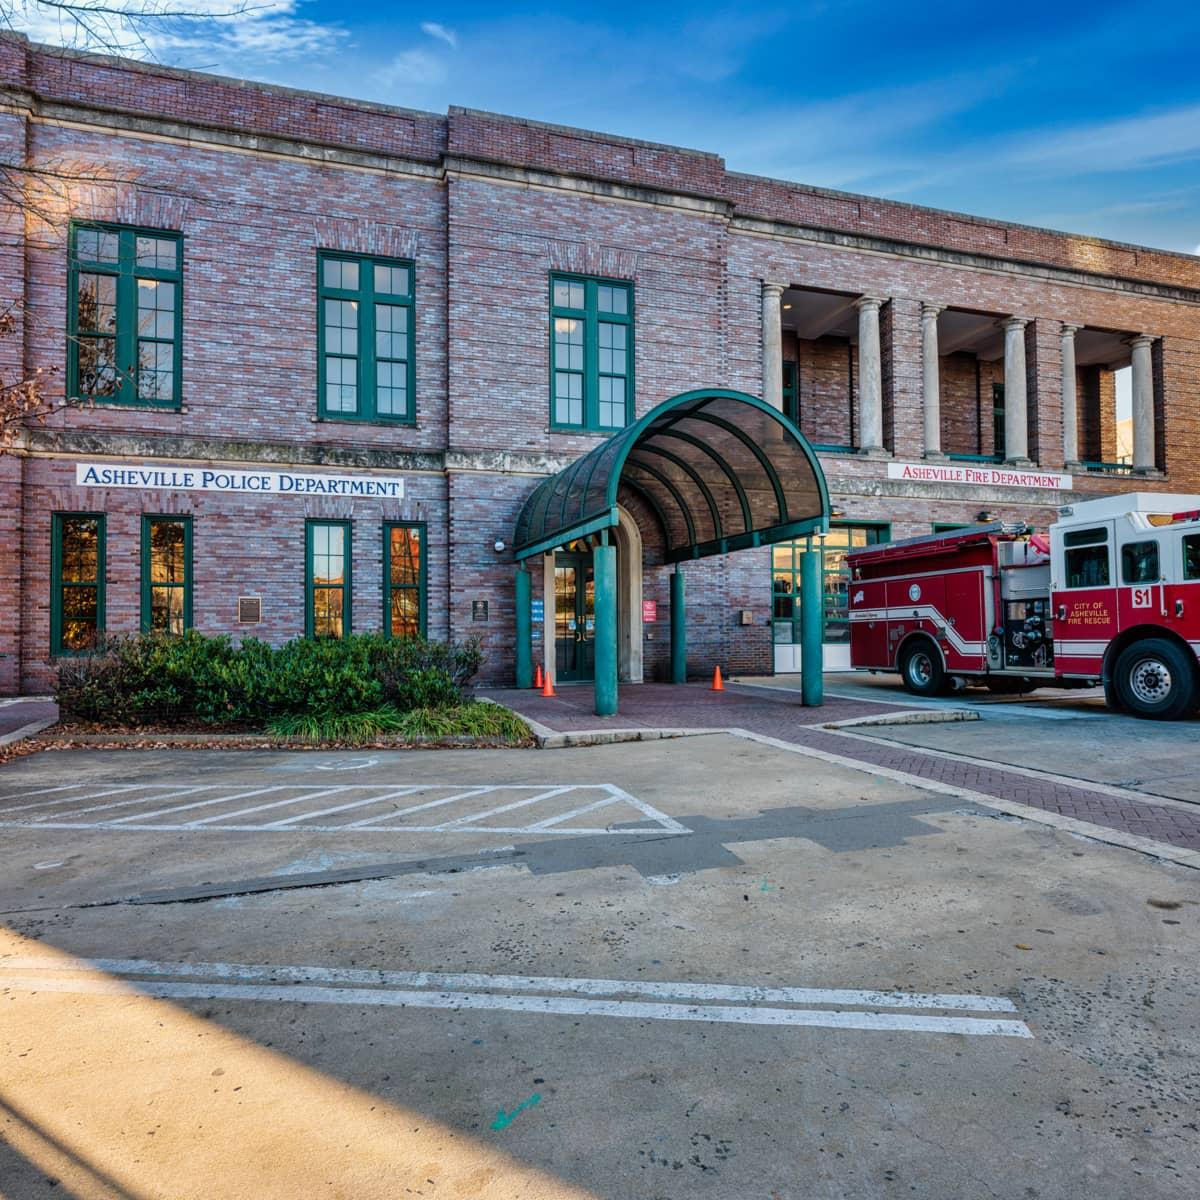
(723, 470)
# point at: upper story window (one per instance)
(591, 353)
(365, 330)
(124, 320)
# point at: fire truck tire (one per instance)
(1154, 678)
(922, 671)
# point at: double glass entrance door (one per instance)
(574, 617)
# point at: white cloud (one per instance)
(441, 32)
(232, 35)
(411, 69)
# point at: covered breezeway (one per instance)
(722, 471)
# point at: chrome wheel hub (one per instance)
(1150, 681)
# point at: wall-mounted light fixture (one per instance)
(984, 517)
(498, 546)
(837, 511)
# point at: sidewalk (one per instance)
(24, 716)
(779, 715)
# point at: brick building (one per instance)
(332, 348)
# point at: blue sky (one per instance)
(1072, 116)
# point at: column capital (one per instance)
(866, 303)
(930, 311)
(1011, 323)
(1069, 330)
(771, 288)
(1141, 339)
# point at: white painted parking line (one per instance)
(162, 812)
(576, 997)
(337, 808)
(475, 818)
(453, 809)
(245, 812)
(79, 812)
(74, 787)
(403, 812)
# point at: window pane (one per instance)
(160, 253)
(391, 281)
(391, 331)
(338, 273)
(341, 384)
(80, 549)
(79, 623)
(1088, 567)
(612, 299)
(167, 559)
(406, 613)
(97, 245)
(341, 327)
(612, 401)
(97, 371)
(166, 610)
(156, 371)
(568, 294)
(1191, 556)
(405, 557)
(327, 612)
(391, 388)
(328, 558)
(156, 309)
(96, 310)
(1139, 562)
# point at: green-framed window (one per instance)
(404, 574)
(786, 560)
(591, 353)
(77, 563)
(327, 578)
(166, 573)
(365, 359)
(125, 315)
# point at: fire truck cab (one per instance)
(1111, 595)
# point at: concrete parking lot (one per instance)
(703, 967)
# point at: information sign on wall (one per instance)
(236, 480)
(649, 611)
(979, 475)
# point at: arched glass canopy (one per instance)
(722, 469)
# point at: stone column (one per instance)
(870, 378)
(1070, 408)
(1143, 405)
(931, 393)
(1016, 409)
(772, 343)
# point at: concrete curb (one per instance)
(911, 716)
(27, 731)
(249, 741)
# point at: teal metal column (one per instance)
(524, 630)
(812, 633)
(678, 628)
(604, 564)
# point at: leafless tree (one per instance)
(34, 195)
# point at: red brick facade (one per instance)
(257, 180)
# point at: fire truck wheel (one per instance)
(922, 671)
(1155, 679)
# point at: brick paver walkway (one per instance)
(782, 716)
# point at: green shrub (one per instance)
(473, 719)
(159, 679)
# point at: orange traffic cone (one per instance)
(547, 686)
(537, 678)
(717, 684)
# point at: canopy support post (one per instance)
(678, 628)
(524, 657)
(604, 565)
(812, 682)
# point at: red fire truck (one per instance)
(1111, 595)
